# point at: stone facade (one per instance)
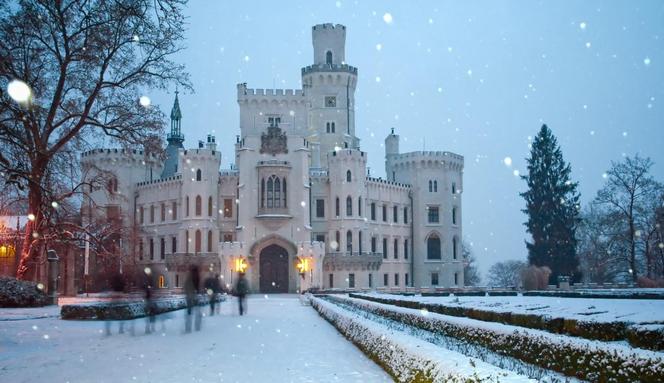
(298, 195)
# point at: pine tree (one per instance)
(552, 206)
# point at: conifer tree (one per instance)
(552, 206)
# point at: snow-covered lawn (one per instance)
(280, 340)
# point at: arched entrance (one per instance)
(274, 269)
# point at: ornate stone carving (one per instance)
(274, 141)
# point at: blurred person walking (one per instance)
(213, 290)
(117, 283)
(191, 289)
(241, 290)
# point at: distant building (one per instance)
(299, 195)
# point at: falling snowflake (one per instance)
(377, 78)
(507, 161)
(582, 25)
(646, 61)
(144, 101)
(379, 47)
(387, 18)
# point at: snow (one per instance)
(279, 340)
(585, 309)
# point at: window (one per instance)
(151, 213)
(359, 206)
(384, 213)
(359, 242)
(454, 214)
(330, 127)
(162, 282)
(373, 211)
(328, 57)
(348, 176)
(174, 211)
(112, 185)
(405, 249)
(373, 244)
(432, 214)
(162, 248)
(336, 207)
(177, 280)
(386, 278)
(186, 206)
(210, 206)
(330, 102)
(433, 247)
(151, 249)
(276, 192)
(320, 208)
(405, 279)
(384, 248)
(331, 280)
(396, 279)
(456, 279)
(349, 206)
(430, 186)
(453, 188)
(284, 192)
(199, 203)
(209, 241)
(197, 242)
(405, 215)
(435, 186)
(454, 248)
(262, 193)
(140, 250)
(320, 238)
(163, 212)
(228, 208)
(349, 241)
(199, 175)
(337, 237)
(274, 121)
(351, 280)
(228, 237)
(186, 241)
(434, 279)
(395, 214)
(141, 214)
(396, 248)
(370, 280)
(174, 245)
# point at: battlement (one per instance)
(381, 181)
(328, 26)
(346, 153)
(438, 155)
(277, 94)
(329, 68)
(131, 152)
(159, 181)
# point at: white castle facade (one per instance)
(298, 209)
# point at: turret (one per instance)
(391, 151)
(211, 142)
(175, 139)
(329, 42)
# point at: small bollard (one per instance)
(53, 260)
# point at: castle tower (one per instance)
(175, 139)
(329, 85)
(391, 152)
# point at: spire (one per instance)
(175, 140)
(176, 117)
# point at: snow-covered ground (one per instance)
(278, 341)
(599, 310)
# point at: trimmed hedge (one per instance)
(605, 331)
(590, 294)
(17, 293)
(575, 359)
(403, 361)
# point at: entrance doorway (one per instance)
(274, 270)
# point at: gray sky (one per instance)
(476, 78)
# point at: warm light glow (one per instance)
(240, 265)
(19, 91)
(303, 265)
(6, 251)
(31, 217)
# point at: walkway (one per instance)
(278, 341)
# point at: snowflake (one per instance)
(387, 18)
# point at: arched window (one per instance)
(430, 186)
(198, 175)
(199, 208)
(433, 247)
(186, 241)
(349, 206)
(197, 243)
(328, 57)
(151, 213)
(336, 207)
(186, 203)
(163, 212)
(209, 241)
(276, 192)
(349, 241)
(454, 216)
(453, 188)
(210, 206)
(337, 237)
(283, 189)
(454, 248)
(348, 176)
(435, 186)
(359, 206)
(162, 282)
(263, 192)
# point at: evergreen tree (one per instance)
(552, 206)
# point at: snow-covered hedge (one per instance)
(606, 331)
(585, 359)
(16, 293)
(127, 309)
(408, 359)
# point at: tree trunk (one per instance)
(32, 238)
(632, 249)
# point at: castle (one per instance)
(298, 209)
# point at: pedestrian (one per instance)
(191, 289)
(148, 295)
(117, 283)
(213, 290)
(241, 290)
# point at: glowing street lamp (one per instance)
(240, 265)
(303, 266)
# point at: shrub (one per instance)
(535, 278)
(649, 283)
(17, 293)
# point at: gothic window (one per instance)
(186, 241)
(432, 214)
(263, 192)
(199, 208)
(454, 248)
(433, 247)
(430, 186)
(186, 206)
(174, 211)
(328, 57)
(209, 241)
(348, 176)
(435, 186)
(163, 212)
(454, 216)
(373, 211)
(151, 213)
(330, 127)
(277, 192)
(174, 245)
(349, 241)
(197, 242)
(112, 185)
(349, 206)
(275, 196)
(162, 247)
(198, 175)
(283, 185)
(359, 206)
(210, 206)
(336, 207)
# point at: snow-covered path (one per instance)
(278, 341)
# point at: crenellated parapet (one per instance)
(269, 96)
(160, 182)
(429, 159)
(379, 182)
(119, 156)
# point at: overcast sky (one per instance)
(477, 78)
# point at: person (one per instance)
(117, 283)
(241, 289)
(150, 309)
(213, 290)
(191, 287)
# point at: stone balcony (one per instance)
(352, 261)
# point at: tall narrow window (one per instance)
(174, 245)
(351, 280)
(277, 192)
(210, 206)
(228, 208)
(336, 207)
(396, 248)
(386, 277)
(163, 212)
(373, 244)
(454, 248)
(199, 175)
(405, 249)
(151, 213)
(320, 208)
(209, 241)
(263, 192)
(283, 192)
(327, 127)
(151, 249)
(331, 280)
(197, 243)
(328, 58)
(349, 206)
(174, 211)
(405, 215)
(395, 214)
(396, 279)
(430, 186)
(140, 249)
(199, 208)
(373, 211)
(141, 214)
(454, 216)
(456, 279)
(162, 247)
(370, 280)
(453, 188)
(270, 192)
(348, 176)
(384, 213)
(359, 206)
(359, 242)
(433, 247)
(349, 242)
(435, 186)
(186, 203)
(186, 241)
(337, 237)
(384, 248)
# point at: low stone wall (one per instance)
(123, 310)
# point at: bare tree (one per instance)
(626, 195)
(506, 274)
(86, 63)
(602, 255)
(471, 275)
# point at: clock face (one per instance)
(330, 101)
